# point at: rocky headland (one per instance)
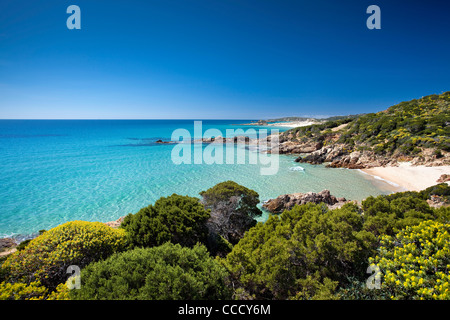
(415, 131)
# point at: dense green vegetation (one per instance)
(166, 272)
(386, 215)
(404, 129)
(311, 252)
(415, 262)
(225, 191)
(179, 219)
(308, 252)
(46, 258)
(303, 253)
(233, 209)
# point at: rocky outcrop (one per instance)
(327, 150)
(163, 142)
(339, 156)
(361, 160)
(7, 246)
(437, 201)
(443, 178)
(220, 139)
(288, 201)
(7, 243)
(292, 147)
(115, 224)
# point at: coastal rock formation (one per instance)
(437, 201)
(429, 158)
(7, 243)
(293, 147)
(7, 246)
(163, 142)
(219, 139)
(288, 201)
(386, 138)
(360, 160)
(341, 156)
(443, 178)
(115, 224)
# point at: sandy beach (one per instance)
(292, 124)
(412, 178)
(287, 124)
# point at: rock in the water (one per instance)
(162, 142)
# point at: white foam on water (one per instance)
(380, 178)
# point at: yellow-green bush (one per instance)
(47, 257)
(61, 293)
(416, 262)
(22, 291)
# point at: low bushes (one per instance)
(179, 219)
(168, 271)
(47, 257)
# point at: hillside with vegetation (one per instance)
(184, 248)
(416, 130)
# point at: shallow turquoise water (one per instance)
(56, 171)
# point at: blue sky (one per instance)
(218, 59)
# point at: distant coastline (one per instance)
(287, 124)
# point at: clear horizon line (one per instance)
(121, 119)
(252, 119)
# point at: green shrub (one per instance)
(304, 253)
(441, 189)
(233, 209)
(47, 257)
(179, 219)
(387, 214)
(166, 272)
(22, 291)
(224, 191)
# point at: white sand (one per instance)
(292, 124)
(413, 178)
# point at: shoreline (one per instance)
(285, 124)
(408, 177)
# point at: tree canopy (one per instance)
(166, 272)
(47, 257)
(179, 219)
(303, 253)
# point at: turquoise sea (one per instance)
(53, 171)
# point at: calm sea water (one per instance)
(62, 170)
